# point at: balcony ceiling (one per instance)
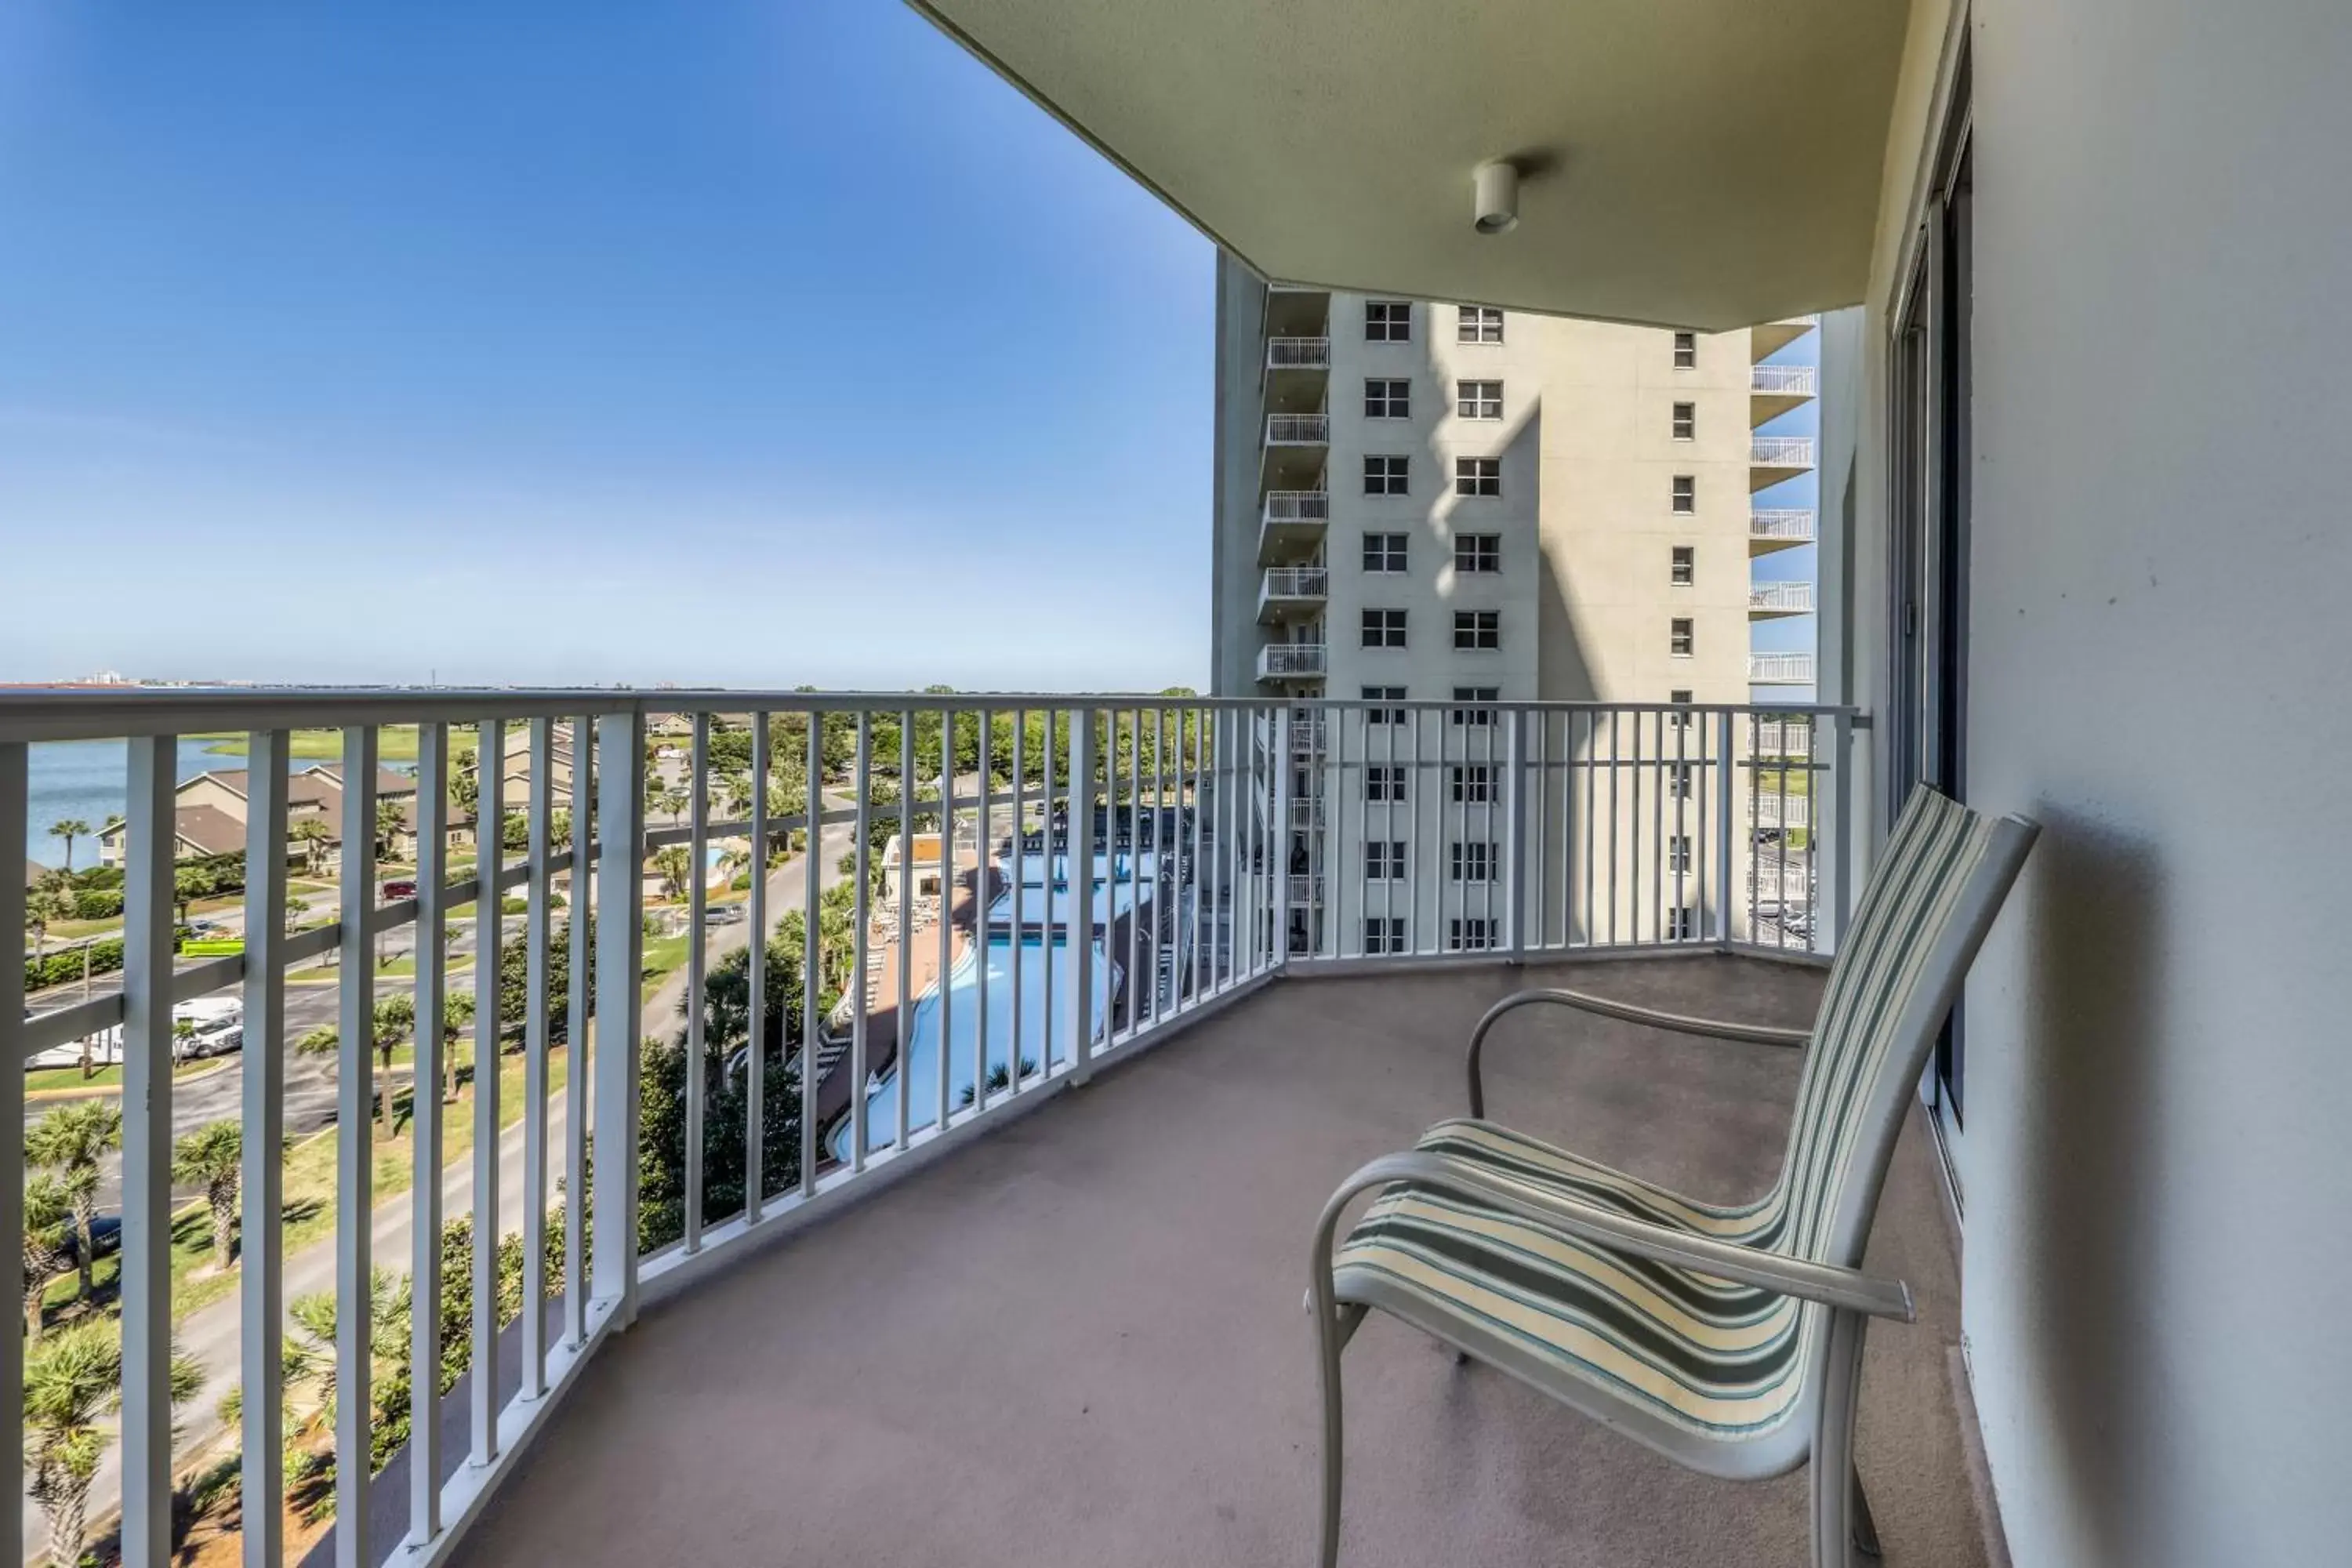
(1704, 163)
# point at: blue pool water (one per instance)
(1043, 1042)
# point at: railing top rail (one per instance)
(77, 715)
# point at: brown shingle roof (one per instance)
(208, 830)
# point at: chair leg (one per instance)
(1837, 1493)
(1866, 1528)
(1331, 1336)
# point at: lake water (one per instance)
(86, 779)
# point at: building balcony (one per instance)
(1297, 429)
(1292, 661)
(1773, 459)
(1765, 341)
(1769, 601)
(1299, 354)
(1775, 389)
(1291, 523)
(1779, 669)
(1296, 446)
(1306, 890)
(1771, 529)
(1292, 593)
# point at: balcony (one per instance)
(1295, 447)
(1299, 354)
(1773, 459)
(1775, 389)
(1288, 594)
(1770, 337)
(1769, 601)
(1779, 669)
(1292, 661)
(1121, 1348)
(1771, 529)
(1291, 523)
(1297, 429)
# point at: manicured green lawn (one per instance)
(394, 743)
(104, 1077)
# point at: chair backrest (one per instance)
(1929, 901)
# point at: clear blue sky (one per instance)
(741, 343)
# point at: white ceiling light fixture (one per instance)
(1497, 186)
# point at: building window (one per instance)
(1384, 551)
(1477, 552)
(1472, 862)
(1679, 636)
(1383, 715)
(1477, 631)
(1478, 399)
(1388, 321)
(1685, 421)
(1384, 860)
(1679, 853)
(1384, 628)
(1686, 495)
(1474, 694)
(1682, 924)
(1684, 572)
(1477, 476)
(1384, 782)
(1478, 324)
(1681, 698)
(1467, 935)
(1384, 476)
(1384, 934)
(1686, 351)
(1473, 783)
(1388, 399)
(1677, 780)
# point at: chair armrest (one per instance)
(1752, 1033)
(1848, 1290)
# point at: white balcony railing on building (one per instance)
(1298, 353)
(1782, 598)
(1792, 524)
(1781, 451)
(1291, 660)
(1227, 840)
(1796, 380)
(1779, 669)
(1297, 506)
(1297, 429)
(1295, 582)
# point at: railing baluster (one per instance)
(1048, 921)
(620, 958)
(426, 1067)
(1020, 930)
(489, 855)
(947, 910)
(1081, 904)
(698, 783)
(902, 1029)
(538, 929)
(983, 853)
(755, 1060)
(16, 795)
(354, 1152)
(261, 1182)
(863, 866)
(812, 947)
(575, 1040)
(1160, 847)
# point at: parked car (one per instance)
(399, 887)
(105, 1237)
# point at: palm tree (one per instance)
(391, 821)
(675, 800)
(313, 835)
(211, 1158)
(72, 1383)
(71, 829)
(394, 1021)
(72, 1140)
(46, 1213)
(675, 863)
(310, 1357)
(44, 905)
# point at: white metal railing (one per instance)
(1792, 524)
(1298, 353)
(1280, 659)
(1781, 451)
(1799, 380)
(1148, 856)
(1297, 506)
(1295, 582)
(1297, 429)
(1784, 598)
(1779, 669)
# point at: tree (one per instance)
(72, 1140)
(47, 1212)
(212, 1157)
(465, 793)
(72, 1383)
(675, 863)
(44, 906)
(394, 1021)
(391, 821)
(514, 982)
(313, 835)
(69, 830)
(456, 1013)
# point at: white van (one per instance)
(216, 1026)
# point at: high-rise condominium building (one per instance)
(1424, 502)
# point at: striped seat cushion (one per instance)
(1716, 1359)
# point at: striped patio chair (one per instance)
(1726, 1336)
